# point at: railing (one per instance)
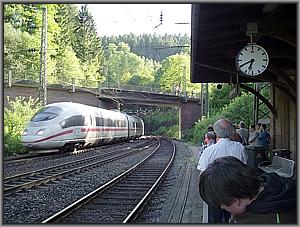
(85, 84)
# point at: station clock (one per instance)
(252, 60)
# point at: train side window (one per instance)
(109, 122)
(47, 113)
(99, 121)
(105, 122)
(77, 120)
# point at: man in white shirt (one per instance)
(224, 147)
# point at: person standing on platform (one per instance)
(264, 137)
(210, 139)
(253, 137)
(243, 132)
(224, 147)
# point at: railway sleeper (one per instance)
(125, 185)
(136, 197)
(118, 188)
(114, 203)
(127, 193)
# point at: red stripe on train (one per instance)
(81, 130)
(50, 137)
(101, 129)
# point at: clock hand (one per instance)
(246, 63)
(250, 66)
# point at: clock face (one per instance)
(252, 60)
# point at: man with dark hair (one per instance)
(224, 147)
(264, 137)
(209, 139)
(210, 128)
(251, 199)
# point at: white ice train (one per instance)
(67, 125)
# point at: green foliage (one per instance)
(16, 54)
(155, 47)
(241, 108)
(73, 50)
(67, 67)
(16, 116)
(171, 132)
(174, 71)
(125, 67)
(218, 98)
(163, 122)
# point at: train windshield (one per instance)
(46, 113)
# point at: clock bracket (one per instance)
(252, 31)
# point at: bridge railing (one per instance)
(95, 86)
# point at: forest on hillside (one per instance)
(75, 51)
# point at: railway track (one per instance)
(30, 179)
(178, 207)
(121, 199)
(26, 159)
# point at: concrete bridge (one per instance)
(189, 108)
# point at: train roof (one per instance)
(79, 107)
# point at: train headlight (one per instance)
(25, 133)
(40, 132)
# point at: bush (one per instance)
(241, 108)
(16, 116)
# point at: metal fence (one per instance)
(95, 86)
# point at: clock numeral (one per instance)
(264, 59)
(246, 71)
(246, 49)
(239, 59)
(252, 72)
(263, 53)
(263, 66)
(258, 49)
(258, 71)
(241, 54)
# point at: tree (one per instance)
(65, 17)
(174, 71)
(155, 47)
(87, 45)
(67, 67)
(16, 55)
(127, 68)
(218, 98)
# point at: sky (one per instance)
(118, 19)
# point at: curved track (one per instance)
(35, 178)
(121, 199)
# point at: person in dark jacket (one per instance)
(264, 137)
(249, 197)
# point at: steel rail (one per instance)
(72, 208)
(12, 184)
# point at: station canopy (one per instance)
(219, 31)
